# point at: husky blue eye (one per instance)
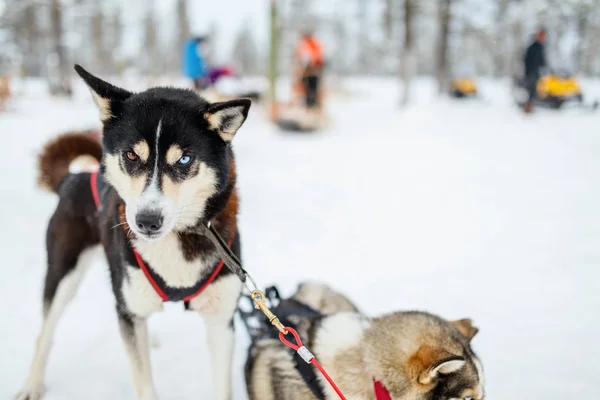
(184, 160)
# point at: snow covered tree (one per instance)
(444, 17)
(407, 57)
(245, 51)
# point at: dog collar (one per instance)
(381, 393)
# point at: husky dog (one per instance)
(398, 356)
(166, 166)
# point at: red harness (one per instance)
(381, 393)
(142, 264)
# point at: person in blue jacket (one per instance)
(194, 62)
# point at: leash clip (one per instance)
(260, 303)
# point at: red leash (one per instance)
(308, 357)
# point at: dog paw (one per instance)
(30, 392)
(149, 396)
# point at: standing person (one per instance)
(535, 60)
(194, 61)
(309, 69)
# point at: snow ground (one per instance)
(465, 209)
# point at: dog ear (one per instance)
(108, 98)
(465, 327)
(442, 367)
(428, 363)
(227, 117)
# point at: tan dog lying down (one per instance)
(412, 355)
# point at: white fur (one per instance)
(151, 200)
(219, 298)
(338, 333)
(83, 163)
(448, 367)
(217, 303)
(103, 106)
(65, 292)
(139, 295)
(166, 259)
(138, 354)
(220, 347)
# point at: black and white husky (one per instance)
(166, 166)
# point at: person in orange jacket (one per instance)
(309, 64)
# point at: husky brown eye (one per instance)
(132, 156)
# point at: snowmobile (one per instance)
(462, 88)
(553, 90)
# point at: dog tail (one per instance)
(71, 152)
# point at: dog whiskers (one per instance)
(121, 224)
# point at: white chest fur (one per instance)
(139, 295)
(165, 257)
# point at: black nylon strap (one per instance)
(307, 373)
(230, 259)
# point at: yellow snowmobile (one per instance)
(462, 87)
(555, 89)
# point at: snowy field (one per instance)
(465, 209)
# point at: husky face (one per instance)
(431, 359)
(166, 152)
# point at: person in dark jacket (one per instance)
(535, 60)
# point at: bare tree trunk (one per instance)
(101, 55)
(116, 29)
(582, 36)
(363, 39)
(407, 59)
(182, 26)
(27, 36)
(59, 74)
(592, 53)
(388, 18)
(442, 53)
(518, 49)
(273, 56)
(499, 49)
(150, 48)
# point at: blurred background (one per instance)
(440, 155)
(361, 37)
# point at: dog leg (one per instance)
(217, 304)
(220, 346)
(134, 332)
(59, 291)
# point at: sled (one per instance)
(298, 119)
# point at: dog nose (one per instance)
(148, 222)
